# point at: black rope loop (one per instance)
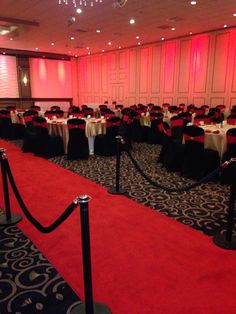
(67, 212)
(161, 186)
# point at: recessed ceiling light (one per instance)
(76, 56)
(139, 43)
(72, 38)
(79, 11)
(132, 21)
(103, 50)
(190, 33)
(234, 14)
(11, 38)
(36, 48)
(52, 44)
(87, 48)
(193, 2)
(98, 31)
(4, 53)
(119, 47)
(225, 25)
(89, 53)
(137, 37)
(109, 43)
(162, 38)
(173, 28)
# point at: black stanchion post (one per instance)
(88, 307)
(8, 218)
(117, 189)
(228, 241)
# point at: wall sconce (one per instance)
(25, 79)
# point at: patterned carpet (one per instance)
(29, 284)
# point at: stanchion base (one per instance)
(220, 240)
(117, 192)
(99, 308)
(15, 218)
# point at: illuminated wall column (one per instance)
(51, 78)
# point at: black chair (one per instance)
(215, 115)
(36, 108)
(156, 131)
(198, 162)
(186, 116)
(9, 130)
(30, 134)
(177, 127)
(77, 147)
(55, 107)
(88, 112)
(46, 145)
(172, 153)
(105, 145)
(138, 132)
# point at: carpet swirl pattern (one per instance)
(203, 208)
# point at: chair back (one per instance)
(231, 119)
(194, 139)
(55, 107)
(202, 118)
(36, 108)
(231, 142)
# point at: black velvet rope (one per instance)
(182, 189)
(67, 212)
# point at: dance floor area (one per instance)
(143, 261)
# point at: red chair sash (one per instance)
(109, 115)
(231, 121)
(78, 114)
(231, 139)
(177, 122)
(160, 127)
(5, 115)
(76, 126)
(109, 124)
(42, 124)
(127, 119)
(28, 118)
(199, 138)
(49, 115)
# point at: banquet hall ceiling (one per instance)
(46, 26)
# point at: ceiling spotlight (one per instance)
(132, 21)
(36, 48)
(79, 11)
(103, 50)
(234, 14)
(76, 56)
(52, 44)
(137, 37)
(193, 2)
(162, 38)
(87, 48)
(190, 33)
(11, 38)
(72, 38)
(173, 28)
(98, 31)
(225, 25)
(109, 43)
(139, 43)
(119, 47)
(89, 53)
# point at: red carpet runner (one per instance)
(143, 262)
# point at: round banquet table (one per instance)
(215, 137)
(93, 127)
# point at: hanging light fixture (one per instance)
(80, 2)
